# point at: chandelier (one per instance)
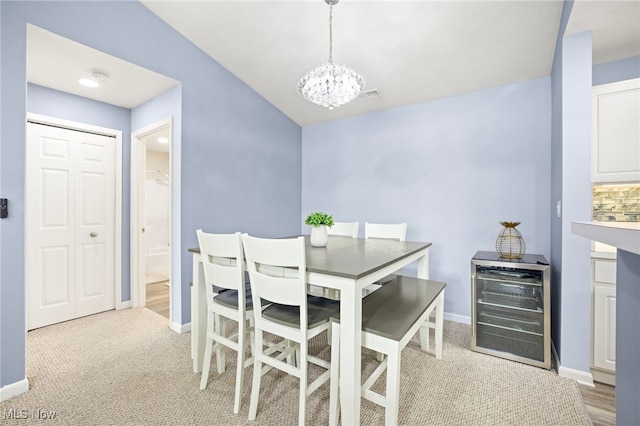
(331, 85)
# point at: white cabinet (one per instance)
(604, 318)
(604, 327)
(616, 132)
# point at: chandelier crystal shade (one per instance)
(331, 85)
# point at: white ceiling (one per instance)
(614, 25)
(410, 51)
(57, 62)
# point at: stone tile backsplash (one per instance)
(619, 203)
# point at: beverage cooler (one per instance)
(511, 308)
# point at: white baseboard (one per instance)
(602, 376)
(14, 389)
(123, 305)
(581, 377)
(457, 318)
(180, 328)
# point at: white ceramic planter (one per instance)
(319, 236)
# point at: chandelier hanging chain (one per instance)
(330, 85)
(330, 34)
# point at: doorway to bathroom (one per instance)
(151, 160)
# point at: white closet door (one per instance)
(70, 221)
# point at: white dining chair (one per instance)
(344, 229)
(227, 298)
(391, 231)
(277, 270)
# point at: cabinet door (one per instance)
(604, 327)
(616, 132)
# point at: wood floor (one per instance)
(600, 401)
(158, 298)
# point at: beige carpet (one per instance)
(128, 368)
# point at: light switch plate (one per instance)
(4, 208)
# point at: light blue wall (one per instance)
(452, 169)
(556, 184)
(54, 103)
(169, 104)
(571, 79)
(240, 156)
(576, 202)
(623, 69)
(12, 136)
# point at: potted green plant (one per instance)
(319, 222)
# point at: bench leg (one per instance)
(424, 335)
(393, 387)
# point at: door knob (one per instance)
(93, 234)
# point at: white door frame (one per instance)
(138, 244)
(117, 135)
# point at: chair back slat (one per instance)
(345, 229)
(391, 231)
(283, 252)
(286, 291)
(222, 261)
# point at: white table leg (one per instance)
(350, 352)
(423, 265)
(198, 314)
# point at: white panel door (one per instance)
(70, 222)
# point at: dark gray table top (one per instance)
(355, 257)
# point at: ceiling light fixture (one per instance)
(330, 85)
(101, 77)
(163, 140)
(88, 82)
(98, 77)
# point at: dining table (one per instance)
(345, 266)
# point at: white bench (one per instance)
(391, 316)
